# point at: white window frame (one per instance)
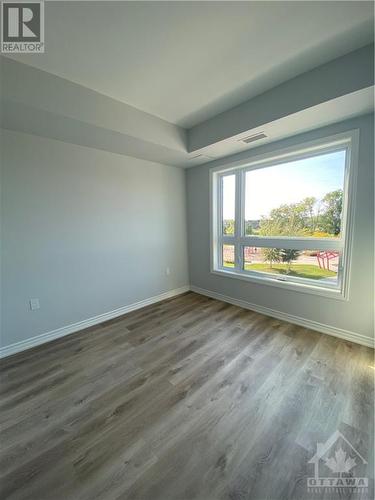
(349, 142)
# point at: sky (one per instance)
(268, 188)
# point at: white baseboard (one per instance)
(81, 325)
(307, 323)
(75, 327)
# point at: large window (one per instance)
(285, 219)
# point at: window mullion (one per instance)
(219, 222)
(238, 219)
(228, 240)
(292, 243)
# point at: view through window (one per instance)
(285, 220)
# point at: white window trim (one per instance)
(348, 140)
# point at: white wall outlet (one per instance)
(167, 271)
(34, 304)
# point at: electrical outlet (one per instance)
(34, 304)
(167, 271)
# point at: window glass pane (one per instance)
(301, 198)
(228, 255)
(229, 195)
(317, 265)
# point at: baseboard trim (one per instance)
(81, 325)
(297, 320)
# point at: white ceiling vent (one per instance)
(253, 138)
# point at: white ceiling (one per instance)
(188, 61)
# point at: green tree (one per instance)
(310, 209)
(248, 229)
(331, 217)
(305, 217)
(228, 226)
(288, 220)
(288, 256)
(271, 255)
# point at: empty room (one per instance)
(187, 250)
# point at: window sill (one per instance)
(332, 293)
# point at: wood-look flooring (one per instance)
(190, 398)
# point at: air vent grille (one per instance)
(202, 157)
(253, 138)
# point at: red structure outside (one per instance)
(324, 258)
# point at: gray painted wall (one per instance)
(85, 231)
(356, 315)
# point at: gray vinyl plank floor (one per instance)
(187, 399)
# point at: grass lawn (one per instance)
(300, 270)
